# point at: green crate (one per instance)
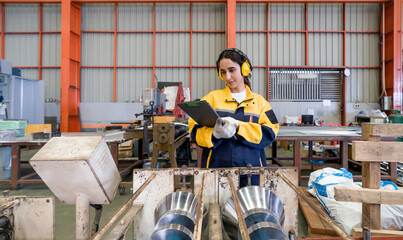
(5, 125)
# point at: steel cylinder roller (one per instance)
(176, 215)
(263, 213)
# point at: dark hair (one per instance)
(235, 57)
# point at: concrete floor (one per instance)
(65, 214)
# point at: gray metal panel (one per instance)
(251, 16)
(362, 16)
(206, 47)
(325, 17)
(173, 75)
(52, 15)
(29, 73)
(362, 50)
(51, 49)
(172, 49)
(208, 17)
(51, 77)
(287, 16)
(22, 17)
(131, 82)
(22, 49)
(205, 80)
(135, 17)
(259, 81)
(172, 16)
(96, 85)
(134, 49)
(363, 86)
(97, 49)
(287, 49)
(325, 49)
(254, 45)
(98, 17)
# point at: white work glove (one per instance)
(225, 127)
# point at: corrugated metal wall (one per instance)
(134, 56)
(22, 48)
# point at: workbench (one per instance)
(344, 135)
(112, 139)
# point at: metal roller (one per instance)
(259, 206)
(172, 232)
(177, 217)
(266, 230)
(177, 211)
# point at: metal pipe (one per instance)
(241, 220)
(9, 205)
(199, 217)
(318, 210)
(82, 216)
(99, 234)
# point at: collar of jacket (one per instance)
(229, 98)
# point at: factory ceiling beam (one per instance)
(221, 1)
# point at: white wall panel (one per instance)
(287, 49)
(135, 49)
(22, 17)
(208, 17)
(362, 17)
(135, 17)
(172, 49)
(206, 48)
(363, 86)
(173, 75)
(325, 17)
(52, 15)
(325, 49)
(205, 80)
(52, 83)
(98, 17)
(251, 17)
(254, 45)
(172, 16)
(30, 73)
(96, 85)
(22, 49)
(97, 49)
(362, 50)
(259, 81)
(51, 49)
(131, 82)
(287, 16)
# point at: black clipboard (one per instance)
(201, 112)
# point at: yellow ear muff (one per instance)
(245, 69)
(219, 74)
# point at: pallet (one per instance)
(316, 226)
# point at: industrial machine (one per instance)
(153, 103)
(22, 98)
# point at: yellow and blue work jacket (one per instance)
(258, 127)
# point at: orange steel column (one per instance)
(393, 52)
(231, 23)
(70, 67)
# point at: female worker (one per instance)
(248, 123)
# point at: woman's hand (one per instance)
(225, 127)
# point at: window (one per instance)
(309, 85)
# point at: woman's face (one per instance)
(231, 73)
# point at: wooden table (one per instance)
(16, 179)
(344, 135)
